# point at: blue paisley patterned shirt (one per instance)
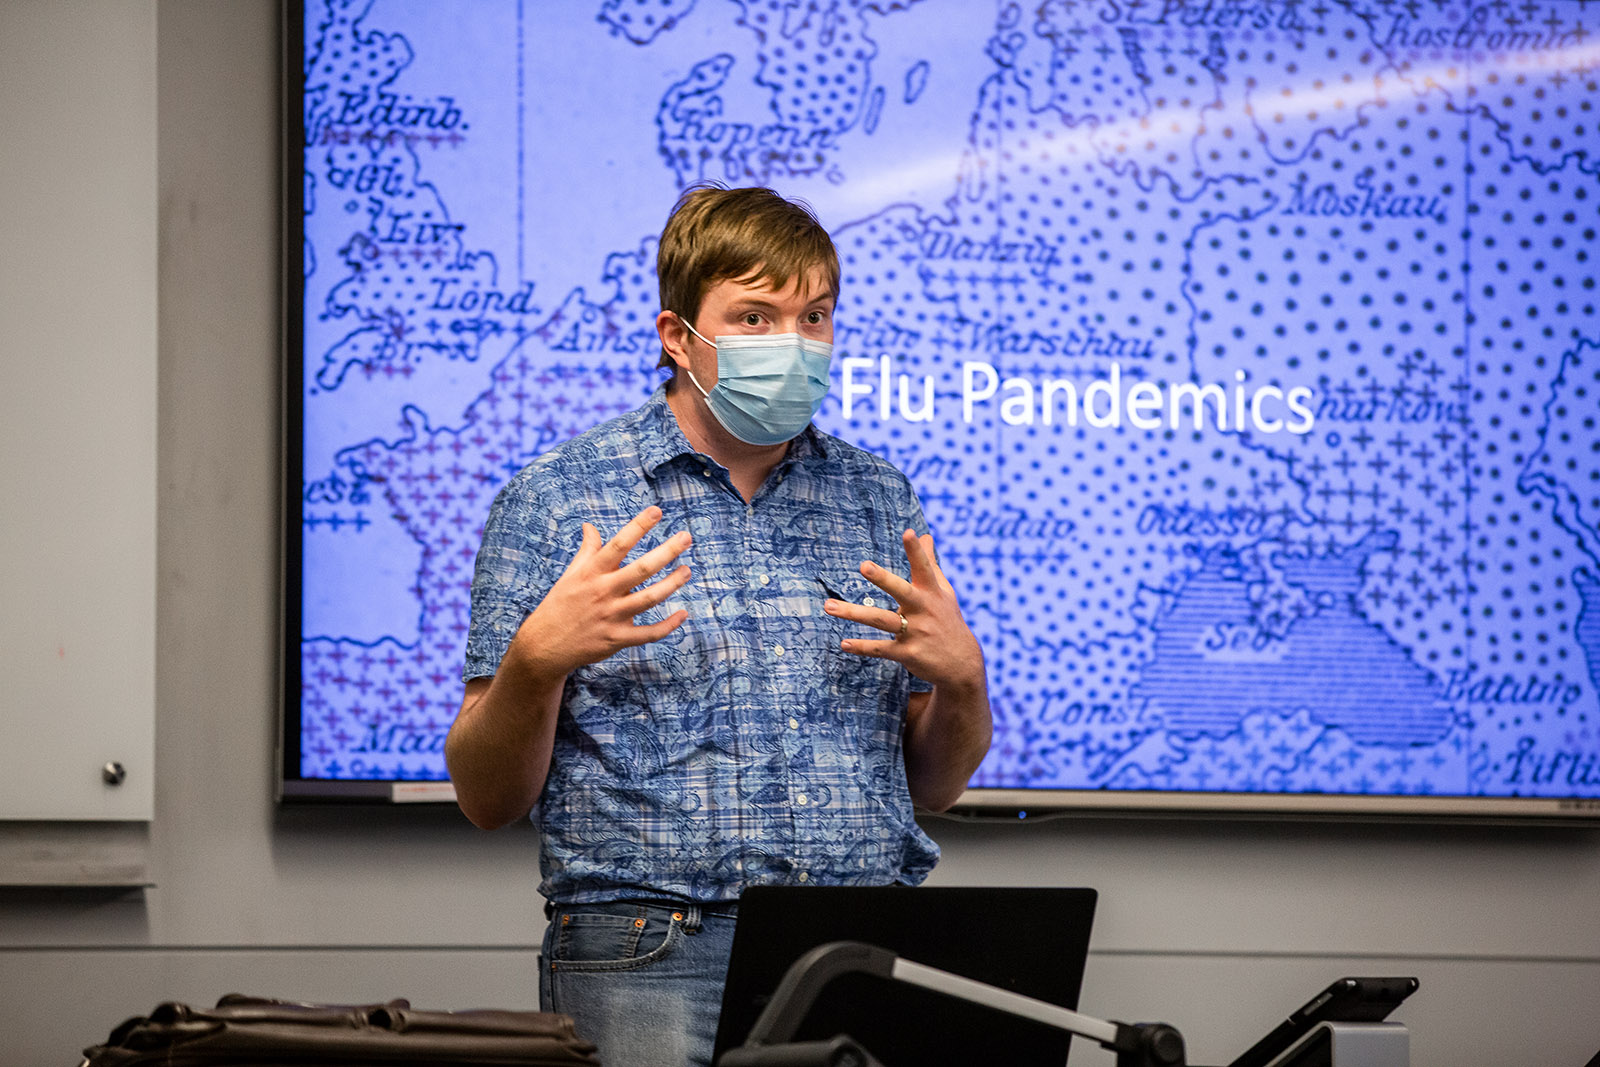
(745, 748)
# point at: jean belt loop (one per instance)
(691, 919)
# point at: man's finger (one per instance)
(889, 582)
(654, 561)
(651, 595)
(877, 618)
(924, 572)
(619, 546)
(643, 635)
(586, 547)
(933, 562)
(874, 649)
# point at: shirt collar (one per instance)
(661, 439)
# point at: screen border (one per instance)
(981, 803)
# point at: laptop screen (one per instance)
(1028, 941)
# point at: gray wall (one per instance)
(1219, 927)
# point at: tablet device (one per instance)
(1028, 941)
(1349, 1000)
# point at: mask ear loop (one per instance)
(686, 370)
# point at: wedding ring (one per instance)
(904, 626)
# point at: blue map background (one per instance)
(1392, 204)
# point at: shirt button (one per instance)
(765, 579)
(800, 799)
(869, 602)
(777, 650)
(804, 877)
(706, 471)
(794, 724)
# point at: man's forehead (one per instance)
(810, 285)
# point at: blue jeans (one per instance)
(643, 981)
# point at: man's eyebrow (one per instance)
(755, 302)
(826, 296)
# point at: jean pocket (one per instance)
(609, 941)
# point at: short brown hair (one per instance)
(752, 234)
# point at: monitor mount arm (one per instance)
(770, 1041)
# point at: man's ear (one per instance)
(674, 338)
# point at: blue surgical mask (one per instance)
(769, 385)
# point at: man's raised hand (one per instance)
(587, 616)
(927, 632)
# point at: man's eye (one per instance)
(815, 318)
(752, 319)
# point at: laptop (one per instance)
(1029, 941)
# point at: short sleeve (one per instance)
(518, 562)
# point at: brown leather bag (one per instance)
(254, 1032)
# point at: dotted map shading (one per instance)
(1053, 219)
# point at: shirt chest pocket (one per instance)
(853, 588)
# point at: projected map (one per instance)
(1244, 353)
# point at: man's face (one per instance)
(735, 307)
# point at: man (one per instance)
(766, 713)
